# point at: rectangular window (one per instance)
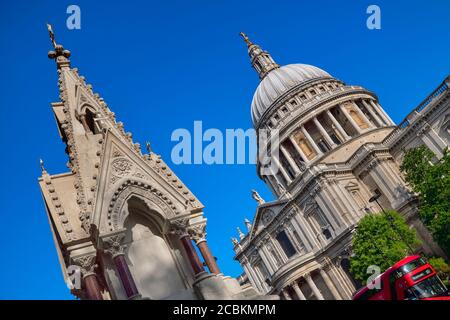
(285, 244)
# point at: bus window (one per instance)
(427, 288)
(413, 265)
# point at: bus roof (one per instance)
(388, 271)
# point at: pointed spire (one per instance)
(60, 55)
(241, 234)
(234, 241)
(261, 60)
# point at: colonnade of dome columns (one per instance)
(324, 132)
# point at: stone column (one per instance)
(113, 245)
(210, 260)
(364, 117)
(286, 294)
(289, 159)
(324, 204)
(311, 141)
(324, 133)
(264, 256)
(297, 290)
(346, 291)
(313, 287)
(90, 281)
(198, 234)
(349, 118)
(305, 226)
(373, 113)
(381, 112)
(282, 170)
(341, 130)
(251, 275)
(192, 255)
(301, 232)
(299, 150)
(330, 284)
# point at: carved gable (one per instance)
(265, 214)
(123, 174)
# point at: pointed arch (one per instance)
(156, 202)
(86, 115)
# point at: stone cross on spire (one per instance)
(52, 35)
(60, 55)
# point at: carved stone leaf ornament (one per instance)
(121, 167)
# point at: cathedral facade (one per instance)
(123, 223)
(337, 149)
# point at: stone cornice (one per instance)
(313, 104)
(291, 93)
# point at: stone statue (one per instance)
(257, 197)
(248, 224)
(235, 241)
(149, 148)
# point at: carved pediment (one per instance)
(265, 214)
(351, 186)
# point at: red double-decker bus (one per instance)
(412, 278)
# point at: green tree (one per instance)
(431, 181)
(441, 267)
(380, 239)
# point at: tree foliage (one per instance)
(441, 267)
(380, 239)
(432, 182)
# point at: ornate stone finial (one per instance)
(59, 54)
(246, 39)
(149, 148)
(241, 235)
(257, 197)
(248, 224)
(234, 241)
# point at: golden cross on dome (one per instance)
(246, 39)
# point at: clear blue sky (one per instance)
(160, 65)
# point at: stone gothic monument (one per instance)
(338, 148)
(123, 221)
